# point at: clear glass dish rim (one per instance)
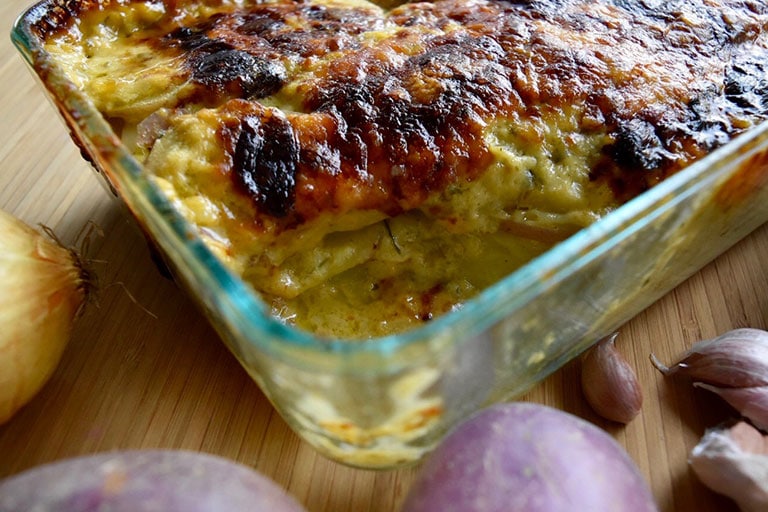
(246, 313)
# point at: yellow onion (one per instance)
(43, 288)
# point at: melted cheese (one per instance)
(367, 169)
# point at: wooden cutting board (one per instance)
(144, 369)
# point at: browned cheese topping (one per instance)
(384, 126)
(330, 107)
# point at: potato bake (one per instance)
(368, 167)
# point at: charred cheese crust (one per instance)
(367, 169)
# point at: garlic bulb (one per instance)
(734, 462)
(752, 403)
(737, 358)
(733, 365)
(609, 383)
(43, 287)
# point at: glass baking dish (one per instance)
(384, 402)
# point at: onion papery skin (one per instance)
(42, 291)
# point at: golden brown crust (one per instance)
(369, 169)
(384, 124)
(389, 128)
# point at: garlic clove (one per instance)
(609, 383)
(752, 403)
(735, 359)
(734, 462)
(749, 438)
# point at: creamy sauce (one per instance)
(368, 169)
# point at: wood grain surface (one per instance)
(145, 370)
